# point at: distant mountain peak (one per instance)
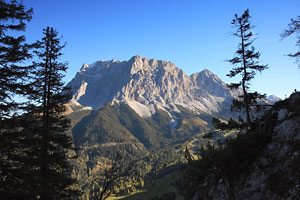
(207, 72)
(136, 57)
(273, 99)
(144, 83)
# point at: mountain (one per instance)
(143, 104)
(273, 99)
(149, 110)
(144, 84)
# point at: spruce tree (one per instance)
(14, 81)
(246, 64)
(53, 179)
(13, 51)
(293, 29)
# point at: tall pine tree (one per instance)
(14, 81)
(53, 179)
(246, 64)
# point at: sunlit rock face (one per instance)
(145, 84)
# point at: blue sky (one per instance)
(193, 34)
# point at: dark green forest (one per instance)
(35, 151)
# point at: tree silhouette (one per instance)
(293, 29)
(53, 146)
(14, 80)
(246, 64)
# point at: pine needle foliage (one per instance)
(13, 51)
(53, 179)
(293, 29)
(14, 81)
(246, 63)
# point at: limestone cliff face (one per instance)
(275, 174)
(145, 83)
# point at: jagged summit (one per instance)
(145, 84)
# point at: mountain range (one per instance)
(145, 101)
(144, 84)
(146, 108)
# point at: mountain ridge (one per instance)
(144, 83)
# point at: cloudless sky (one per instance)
(193, 34)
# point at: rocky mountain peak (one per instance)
(145, 83)
(273, 99)
(206, 72)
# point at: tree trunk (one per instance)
(246, 100)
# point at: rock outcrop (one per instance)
(276, 172)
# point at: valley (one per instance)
(150, 129)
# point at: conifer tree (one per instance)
(13, 51)
(53, 180)
(246, 64)
(293, 29)
(13, 81)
